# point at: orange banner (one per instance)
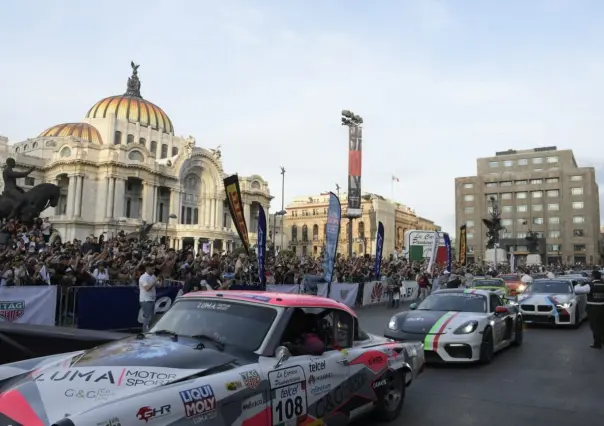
(233, 194)
(463, 245)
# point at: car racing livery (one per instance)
(180, 373)
(553, 301)
(496, 285)
(458, 325)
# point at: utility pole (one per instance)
(282, 201)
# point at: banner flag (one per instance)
(233, 195)
(332, 235)
(261, 245)
(449, 253)
(435, 244)
(379, 247)
(28, 305)
(463, 245)
(355, 157)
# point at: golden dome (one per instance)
(133, 108)
(80, 130)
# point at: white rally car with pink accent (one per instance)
(459, 325)
(221, 359)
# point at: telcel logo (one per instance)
(316, 366)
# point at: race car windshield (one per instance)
(224, 322)
(489, 283)
(459, 302)
(559, 287)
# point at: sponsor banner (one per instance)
(233, 195)
(374, 292)
(261, 245)
(332, 235)
(355, 157)
(116, 308)
(420, 245)
(284, 288)
(323, 290)
(463, 245)
(28, 305)
(345, 293)
(379, 247)
(449, 253)
(410, 290)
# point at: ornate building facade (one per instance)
(306, 219)
(122, 164)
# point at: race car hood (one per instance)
(433, 322)
(78, 382)
(544, 299)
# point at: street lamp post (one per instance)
(279, 213)
(338, 190)
(171, 216)
(282, 201)
(350, 120)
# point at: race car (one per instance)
(459, 326)
(553, 302)
(496, 285)
(221, 358)
(513, 283)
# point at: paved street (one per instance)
(553, 379)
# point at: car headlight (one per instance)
(521, 287)
(467, 328)
(392, 323)
(565, 305)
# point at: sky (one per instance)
(438, 83)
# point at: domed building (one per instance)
(122, 164)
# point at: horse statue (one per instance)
(32, 203)
(493, 225)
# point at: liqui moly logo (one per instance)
(199, 402)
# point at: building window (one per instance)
(174, 151)
(577, 205)
(506, 235)
(294, 233)
(576, 191)
(552, 160)
(164, 151)
(506, 222)
(578, 233)
(468, 185)
(536, 181)
(469, 235)
(117, 138)
(468, 210)
(153, 147)
(142, 141)
(508, 163)
(491, 184)
(522, 208)
(537, 207)
(579, 247)
(130, 139)
(552, 180)
(537, 221)
(521, 195)
(469, 223)
(521, 235)
(493, 164)
(578, 219)
(554, 234)
(553, 207)
(506, 209)
(493, 196)
(521, 182)
(505, 183)
(553, 193)
(506, 196)
(538, 160)
(537, 194)
(576, 178)
(553, 247)
(304, 233)
(553, 220)
(30, 181)
(468, 197)
(196, 216)
(522, 162)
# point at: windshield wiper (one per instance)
(166, 333)
(215, 341)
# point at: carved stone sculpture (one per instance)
(493, 225)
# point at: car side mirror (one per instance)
(413, 306)
(501, 310)
(282, 354)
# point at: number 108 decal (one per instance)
(289, 403)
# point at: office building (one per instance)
(542, 190)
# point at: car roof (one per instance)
(286, 300)
(463, 290)
(488, 279)
(557, 280)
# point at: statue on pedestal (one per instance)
(532, 240)
(493, 224)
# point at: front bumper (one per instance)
(546, 314)
(444, 348)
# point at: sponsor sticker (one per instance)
(12, 310)
(147, 378)
(286, 376)
(339, 395)
(151, 413)
(234, 385)
(320, 389)
(199, 403)
(251, 379)
(114, 421)
(118, 377)
(255, 297)
(89, 394)
(253, 402)
(312, 379)
(380, 383)
(214, 306)
(316, 365)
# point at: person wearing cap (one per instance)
(595, 307)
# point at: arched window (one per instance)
(35, 145)
(315, 232)
(142, 141)
(153, 147)
(304, 233)
(174, 151)
(255, 185)
(164, 151)
(361, 229)
(294, 233)
(117, 138)
(136, 156)
(130, 138)
(66, 152)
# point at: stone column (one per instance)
(219, 213)
(207, 202)
(211, 247)
(155, 211)
(109, 207)
(119, 197)
(246, 213)
(78, 197)
(71, 194)
(173, 207)
(213, 212)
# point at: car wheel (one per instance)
(518, 332)
(390, 403)
(487, 347)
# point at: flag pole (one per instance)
(392, 189)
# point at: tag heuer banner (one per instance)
(463, 245)
(28, 305)
(233, 194)
(355, 159)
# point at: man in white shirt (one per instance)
(146, 284)
(526, 279)
(550, 275)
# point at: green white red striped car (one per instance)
(459, 325)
